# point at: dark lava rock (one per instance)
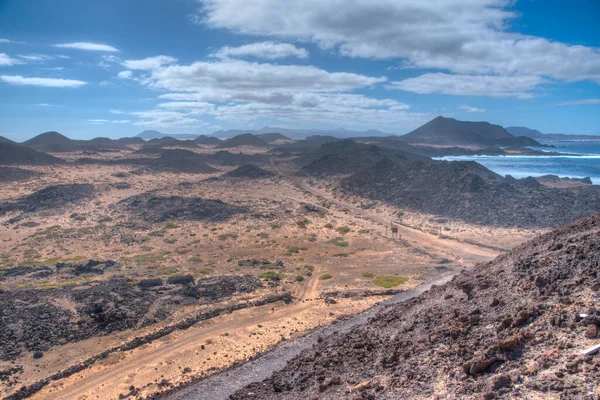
(452, 343)
(90, 267)
(470, 192)
(249, 172)
(8, 174)
(246, 139)
(180, 280)
(32, 320)
(223, 286)
(148, 283)
(159, 209)
(51, 197)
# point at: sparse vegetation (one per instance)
(325, 277)
(388, 282)
(343, 230)
(269, 276)
(299, 278)
(368, 274)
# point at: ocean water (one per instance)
(584, 162)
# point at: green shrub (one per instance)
(388, 282)
(269, 276)
(299, 278)
(309, 268)
(171, 225)
(343, 230)
(325, 277)
(368, 275)
(341, 244)
(328, 226)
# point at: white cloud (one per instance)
(116, 112)
(36, 57)
(5, 41)
(461, 36)
(579, 102)
(125, 75)
(471, 109)
(45, 82)
(120, 121)
(264, 50)
(240, 91)
(43, 105)
(240, 76)
(98, 121)
(471, 85)
(87, 46)
(149, 63)
(7, 61)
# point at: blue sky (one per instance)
(114, 68)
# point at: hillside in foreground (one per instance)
(511, 328)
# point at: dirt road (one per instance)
(221, 386)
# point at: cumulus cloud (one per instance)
(116, 112)
(125, 75)
(471, 85)
(471, 109)
(579, 102)
(44, 82)
(247, 76)
(149, 63)
(7, 61)
(264, 50)
(2, 40)
(461, 36)
(241, 91)
(87, 46)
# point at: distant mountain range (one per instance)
(302, 133)
(521, 130)
(152, 134)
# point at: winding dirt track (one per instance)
(221, 386)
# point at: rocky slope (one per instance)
(347, 156)
(512, 328)
(247, 139)
(470, 192)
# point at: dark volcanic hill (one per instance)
(512, 328)
(8, 174)
(347, 156)
(247, 139)
(50, 141)
(5, 140)
(58, 143)
(131, 140)
(470, 192)
(181, 161)
(450, 132)
(15, 154)
(249, 172)
(272, 137)
(208, 140)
